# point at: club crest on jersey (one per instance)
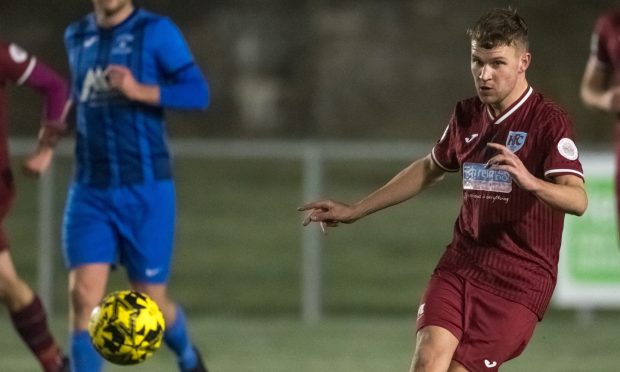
(122, 44)
(515, 140)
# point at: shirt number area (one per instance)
(477, 176)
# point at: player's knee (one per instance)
(83, 300)
(428, 360)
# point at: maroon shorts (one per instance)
(490, 329)
(7, 194)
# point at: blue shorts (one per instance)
(131, 225)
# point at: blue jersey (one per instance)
(118, 141)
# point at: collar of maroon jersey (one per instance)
(510, 110)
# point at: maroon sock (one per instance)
(31, 324)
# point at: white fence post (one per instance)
(311, 306)
(46, 240)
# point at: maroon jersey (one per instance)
(505, 239)
(15, 68)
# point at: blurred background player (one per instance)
(127, 66)
(600, 85)
(521, 174)
(27, 312)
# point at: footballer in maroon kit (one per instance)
(520, 175)
(600, 85)
(27, 312)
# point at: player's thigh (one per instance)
(148, 232)
(88, 235)
(442, 303)
(439, 322)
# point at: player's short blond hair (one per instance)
(500, 26)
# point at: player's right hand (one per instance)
(328, 212)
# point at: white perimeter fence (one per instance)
(311, 156)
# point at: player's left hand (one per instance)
(39, 161)
(507, 161)
(121, 78)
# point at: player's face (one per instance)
(499, 73)
(111, 7)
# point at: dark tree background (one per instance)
(362, 69)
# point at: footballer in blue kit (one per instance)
(127, 66)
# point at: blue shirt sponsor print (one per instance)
(477, 176)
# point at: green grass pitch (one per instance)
(237, 273)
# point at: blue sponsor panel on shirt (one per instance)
(477, 176)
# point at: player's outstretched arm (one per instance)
(566, 194)
(408, 183)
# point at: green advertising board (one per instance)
(589, 270)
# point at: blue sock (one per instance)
(84, 357)
(177, 338)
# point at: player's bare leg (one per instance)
(14, 292)
(158, 293)
(87, 286)
(28, 316)
(435, 347)
(176, 336)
